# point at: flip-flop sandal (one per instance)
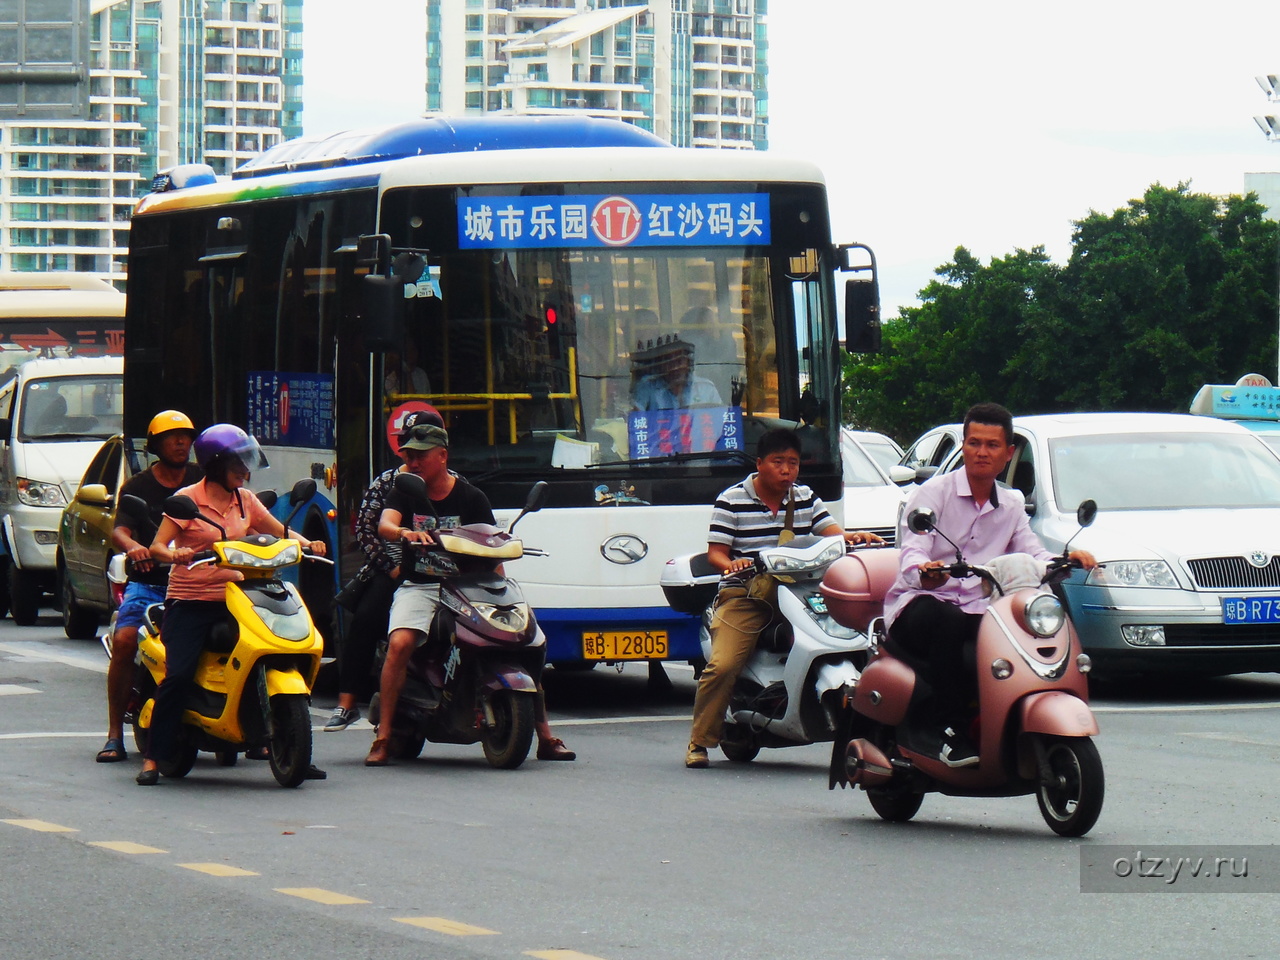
(258, 753)
(113, 752)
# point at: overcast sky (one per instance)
(990, 124)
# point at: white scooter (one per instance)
(790, 692)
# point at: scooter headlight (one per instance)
(243, 558)
(513, 618)
(1044, 615)
(286, 626)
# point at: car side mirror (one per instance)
(95, 494)
(901, 476)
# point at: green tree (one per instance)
(1174, 290)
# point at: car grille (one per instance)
(888, 534)
(1222, 634)
(1234, 573)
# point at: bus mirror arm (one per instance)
(861, 301)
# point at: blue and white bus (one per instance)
(581, 302)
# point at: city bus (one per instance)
(57, 315)
(544, 284)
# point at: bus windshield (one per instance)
(579, 359)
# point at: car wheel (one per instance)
(25, 593)
(78, 622)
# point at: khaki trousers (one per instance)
(739, 615)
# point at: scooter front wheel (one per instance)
(1071, 797)
(506, 742)
(738, 744)
(290, 738)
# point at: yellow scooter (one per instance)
(253, 684)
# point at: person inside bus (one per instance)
(934, 617)
(767, 508)
(196, 596)
(404, 376)
(425, 449)
(169, 438)
(665, 378)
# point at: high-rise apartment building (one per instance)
(104, 93)
(694, 72)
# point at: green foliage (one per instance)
(1175, 290)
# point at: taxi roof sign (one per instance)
(1252, 397)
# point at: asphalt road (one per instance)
(621, 854)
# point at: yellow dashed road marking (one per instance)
(560, 955)
(219, 870)
(319, 895)
(441, 925)
(43, 826)
(124, 846)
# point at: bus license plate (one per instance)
(1251, 609)
(624, 645)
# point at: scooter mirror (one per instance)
(1087, 512)
(921, 520)
(302, 491)
(537, 497)
(412, 486)
(181, 508)
(133, 508)
(268, 498)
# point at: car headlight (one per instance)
(242, 558)
(513, 618)
(1133, 573)
(39, 493)
(1044, 615)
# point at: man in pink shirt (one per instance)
(933, 617)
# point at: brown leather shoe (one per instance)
(554, 749)
(377, 754)
(695, 757)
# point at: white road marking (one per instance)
(13, 689)
(36, 650)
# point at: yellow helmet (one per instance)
(166, 421)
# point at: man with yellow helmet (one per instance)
(169, 438)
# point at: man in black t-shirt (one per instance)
(169, 438)
(456, 502)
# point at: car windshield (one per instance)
(1144, 471)
(73, 408)
(859, 469)
(883, 451)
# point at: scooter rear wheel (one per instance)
(290, 739)
(507, 742)
(1072, 801)
(183, 760)
(737, 744)
(896, 806)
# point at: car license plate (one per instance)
(1251, 609)
(624, 645)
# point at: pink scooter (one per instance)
(1034, 724)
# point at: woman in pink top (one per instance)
(196, 599)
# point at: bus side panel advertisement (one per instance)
(644, 220)
(291, 409)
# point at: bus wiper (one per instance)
(739, 455)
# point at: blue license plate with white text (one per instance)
(1251, 609)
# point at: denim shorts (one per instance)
(137, 597)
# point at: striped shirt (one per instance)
(741, 521)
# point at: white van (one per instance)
(54, 415)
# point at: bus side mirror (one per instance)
(383, 303)
(862, 316)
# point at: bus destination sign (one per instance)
(644, 220)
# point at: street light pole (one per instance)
(1270, 128)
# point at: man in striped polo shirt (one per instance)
(748, 517)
